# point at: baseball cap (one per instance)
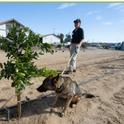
(77, 20)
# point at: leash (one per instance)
(75, 52)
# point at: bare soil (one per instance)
(99, 72)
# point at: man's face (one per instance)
(77, 25)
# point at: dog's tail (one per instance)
(88, 95)
(85, 93)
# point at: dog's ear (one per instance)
(55, 79)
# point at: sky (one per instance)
(102, 22)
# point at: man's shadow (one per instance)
(37, 106)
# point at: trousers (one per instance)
(74, 50)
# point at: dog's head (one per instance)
(49, 83)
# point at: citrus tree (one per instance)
(18, 46)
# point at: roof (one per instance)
(49, 35)
(11, 20)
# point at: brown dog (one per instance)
(64, 87)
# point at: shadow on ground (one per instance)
(41, 105)
(37, 106)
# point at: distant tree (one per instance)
(105, 46)
(61, 36)
(68, 38)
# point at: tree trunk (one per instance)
(19, 105)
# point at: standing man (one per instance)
(76, 42)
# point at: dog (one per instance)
(64, 87)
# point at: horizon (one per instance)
(102, 22)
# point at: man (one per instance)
(76, 42)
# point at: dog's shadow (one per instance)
(41, 105)
(37, 106)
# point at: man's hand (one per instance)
(79, 45)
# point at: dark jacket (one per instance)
(77, 35)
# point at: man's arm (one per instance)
(81, 36)
(81, 42)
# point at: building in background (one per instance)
(51, 39)
(5, 26)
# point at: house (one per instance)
(5, 26)
(51, 39)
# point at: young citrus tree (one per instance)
(20, 66)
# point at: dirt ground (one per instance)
(99, 72)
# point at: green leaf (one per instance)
(20, 67)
